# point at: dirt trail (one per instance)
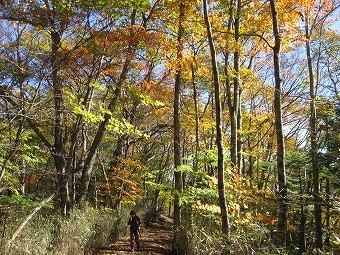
(155, 240)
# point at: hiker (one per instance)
(134, 222)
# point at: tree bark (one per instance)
(328, 215)
(197, 117)
(239, 142)
(177, 148)
(58, 148)
(302, 227)
(229, 95)
(237, 90)
(233, 94)
(219, 134)
(281, 171)
(313, 143)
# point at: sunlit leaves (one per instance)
(98, 38)
(122, 126)
(123, 183)
(10, 179)
(62, 5)
(19, 201)
(88, 116)
(143, 98)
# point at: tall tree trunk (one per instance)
(20, 80)
(313, 143)
(58, 148)
(197, 117)
(239, 136)
(219, 134)
(229, 95)
(73, 165)
(233, 94)
(237, 90)
(88, 166)
(281, 171)
(302, 227)
(177, 148)
(328, 215)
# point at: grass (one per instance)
(83, 230)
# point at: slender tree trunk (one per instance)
(313, 142)
(239, 136)
(21, 79)
(219, 133)
(233, 97)
(237, 90)
(251, 159)
(22, 169)
(328, 215)
(281, 171)
(251, 170)
(197, 117)
(177, 147)
(88, 166)
(232, 113)
(302, 234)
(233, 135)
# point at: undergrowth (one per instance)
(203, 237)
(83, 230)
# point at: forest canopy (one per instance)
(222, 114)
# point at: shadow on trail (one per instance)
(156, 239)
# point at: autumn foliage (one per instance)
(87, 113)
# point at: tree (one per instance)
(234, 92)
(155, 104)
(280, 154)
(177, 148)
(55, 23)
(64, 148)
(312, 22)
(219, 133)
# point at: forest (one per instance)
(223, 115)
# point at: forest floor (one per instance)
(155, 239)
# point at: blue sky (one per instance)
(337, 23)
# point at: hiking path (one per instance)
(156, 239)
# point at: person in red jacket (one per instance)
(134, 222)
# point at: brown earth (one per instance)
(155, 239)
